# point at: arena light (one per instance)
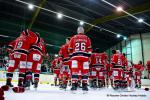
(81, 23)
(3, 36)
(69, 17)
(119, 9)
(140, 20)
(30, 6)
(118, 35)
(59, 15)
(106, 1)
(125, 38)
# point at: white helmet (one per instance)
(56, 55)
(80, 30)
(118, 51)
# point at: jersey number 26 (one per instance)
(80, 46)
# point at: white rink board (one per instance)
(45, 79)
(49, 79)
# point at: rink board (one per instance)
(49, 79)
(44, 78)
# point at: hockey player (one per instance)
(80, 50)
(117, 62)
(148, 68)
(56, 65)
(106, 66)
(137, 73)
(108, 73)
(98, 62)
(34, 61)
(126, 73)
(9, 76)
(65, 69)
(18, 55)
(129, 75)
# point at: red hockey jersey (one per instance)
(138, 67)
(56, 63)
(98, 59)
(24, 42)
(64, 51)
(125, 63)
(118, 59)
(80, 44)
(38, 48)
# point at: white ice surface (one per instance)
(48, 92)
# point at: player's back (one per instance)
(64, 51)
(118, 59)
(138, 67)
(80, 43)
(38, 48)
(54, 63)
(22, 44)
(96, 59)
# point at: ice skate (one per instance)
(20, 83)
(74, 87)
(84, 88)
(64, 86)
(35, 84)
(8, 83)
(27, 84)
(61, 87)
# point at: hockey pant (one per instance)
(117, 74)
(65, 72)
(33, 66)
(98, 73)
(16, 60)
(128, 78)
(137, 77)
(80, 66)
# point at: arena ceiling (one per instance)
(15, 16)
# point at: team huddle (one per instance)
(79, 66)
(76, 65)
(25, 54)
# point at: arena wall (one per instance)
(44, 78)
(49, 79)
(137, 47)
